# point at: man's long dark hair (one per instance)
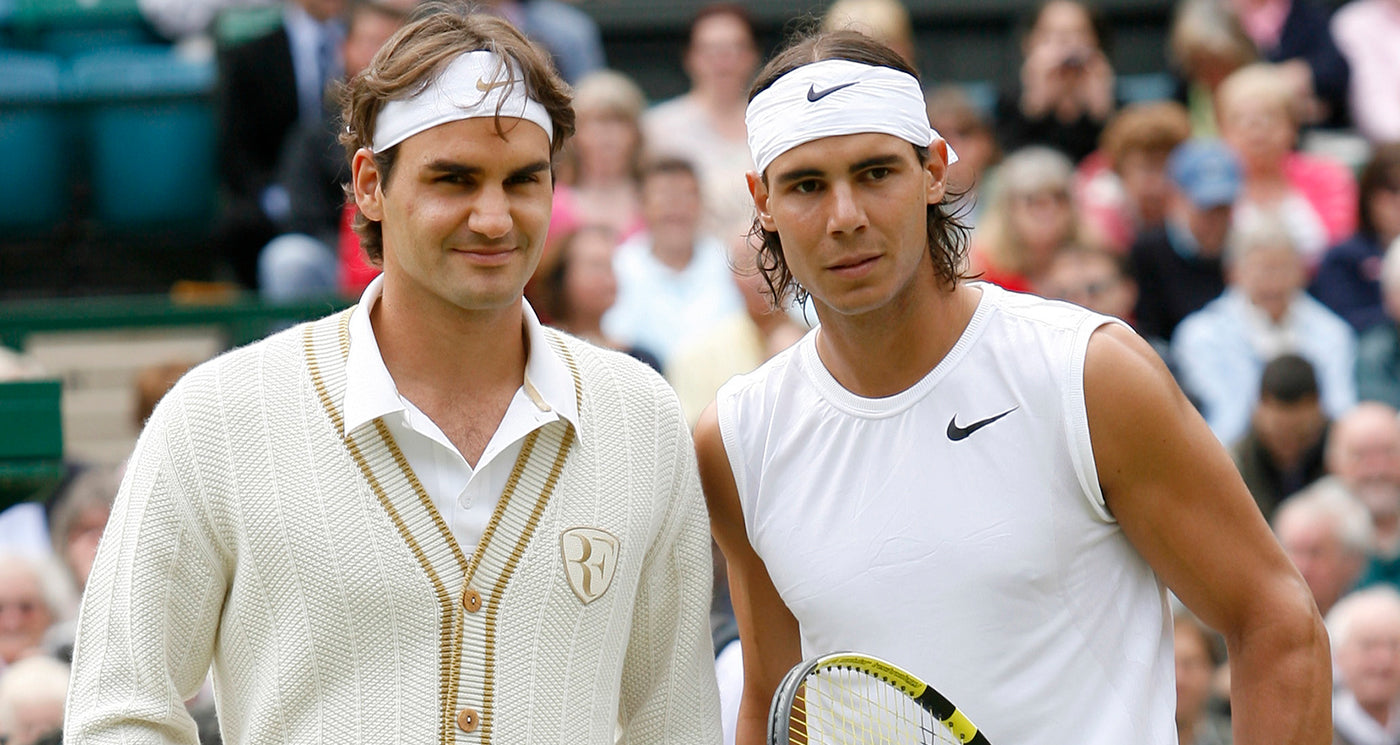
(947, 234)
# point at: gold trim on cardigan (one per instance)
(536, 470)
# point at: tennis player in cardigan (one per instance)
(427, 519)
(991, 490)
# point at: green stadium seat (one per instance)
(35, 137)
(72, 27)
(150, 132)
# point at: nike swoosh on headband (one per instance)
(814, 95)
(486, 87)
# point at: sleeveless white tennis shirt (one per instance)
(958, 529)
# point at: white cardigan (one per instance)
(315, 576)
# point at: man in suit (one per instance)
(266, 86)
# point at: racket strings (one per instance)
(841, 706)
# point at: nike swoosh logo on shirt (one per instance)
(814, 95)
(956, 433)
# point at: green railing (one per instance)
(243, 318)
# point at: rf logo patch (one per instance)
(590, 558)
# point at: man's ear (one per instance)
(369, 192)
(759, 191)
(937, 169)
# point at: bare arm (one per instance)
(767, 629)
(1181, 502)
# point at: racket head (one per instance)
(848, 698)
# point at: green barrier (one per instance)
(31, 439)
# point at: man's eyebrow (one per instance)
(453, 167)
(533, 168)
(789, 177)
(876, 161)
(461, 169)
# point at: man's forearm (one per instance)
(1281, 686)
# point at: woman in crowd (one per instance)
(581, 287)
(1316, 196)
(599, 178)
(1200, 653)
(1205, 44)
(1348, 280)
(1066, 89)
(1031, 215)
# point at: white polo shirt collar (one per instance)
(370, 392)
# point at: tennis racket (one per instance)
(849, 698)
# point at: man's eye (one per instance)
(806, 187)
(875, 174)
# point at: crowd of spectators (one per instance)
(1263, 269)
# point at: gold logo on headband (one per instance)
(486, 87)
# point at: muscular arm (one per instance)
(1181, 502)
(767, 629)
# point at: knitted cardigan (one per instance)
(310, 569)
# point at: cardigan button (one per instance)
(468, 720)
(471, 599)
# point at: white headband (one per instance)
(836, 97)
(475, 85)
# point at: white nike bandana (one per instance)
(475, 85)
(836, 97)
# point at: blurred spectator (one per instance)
(1066, 88)
(1365, 31)
(969, 133)
(673, 280)
(886, 21)
(33, 597)
(570, 35)
(32, 693)
(312, 171)
(16, 366)
(266, 86)
(1295, 35)
(1220, 350)
(1378, 350)
(1091, 277)
(1031, 215)
(705, 125)
(1327, 534)
(1122, 187)
(187, 21)
(581, 287)
(1180, 266)
(740, 342)
(1365, 634)
(1200, 652)
(78, 514)
(1206, 43)
(1348, 279)
(598, 180)
(152, 383)
(1282, 451)
(1363, 456)
(1316, 196)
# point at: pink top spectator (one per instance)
(1367, 32)
(1331, 190)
